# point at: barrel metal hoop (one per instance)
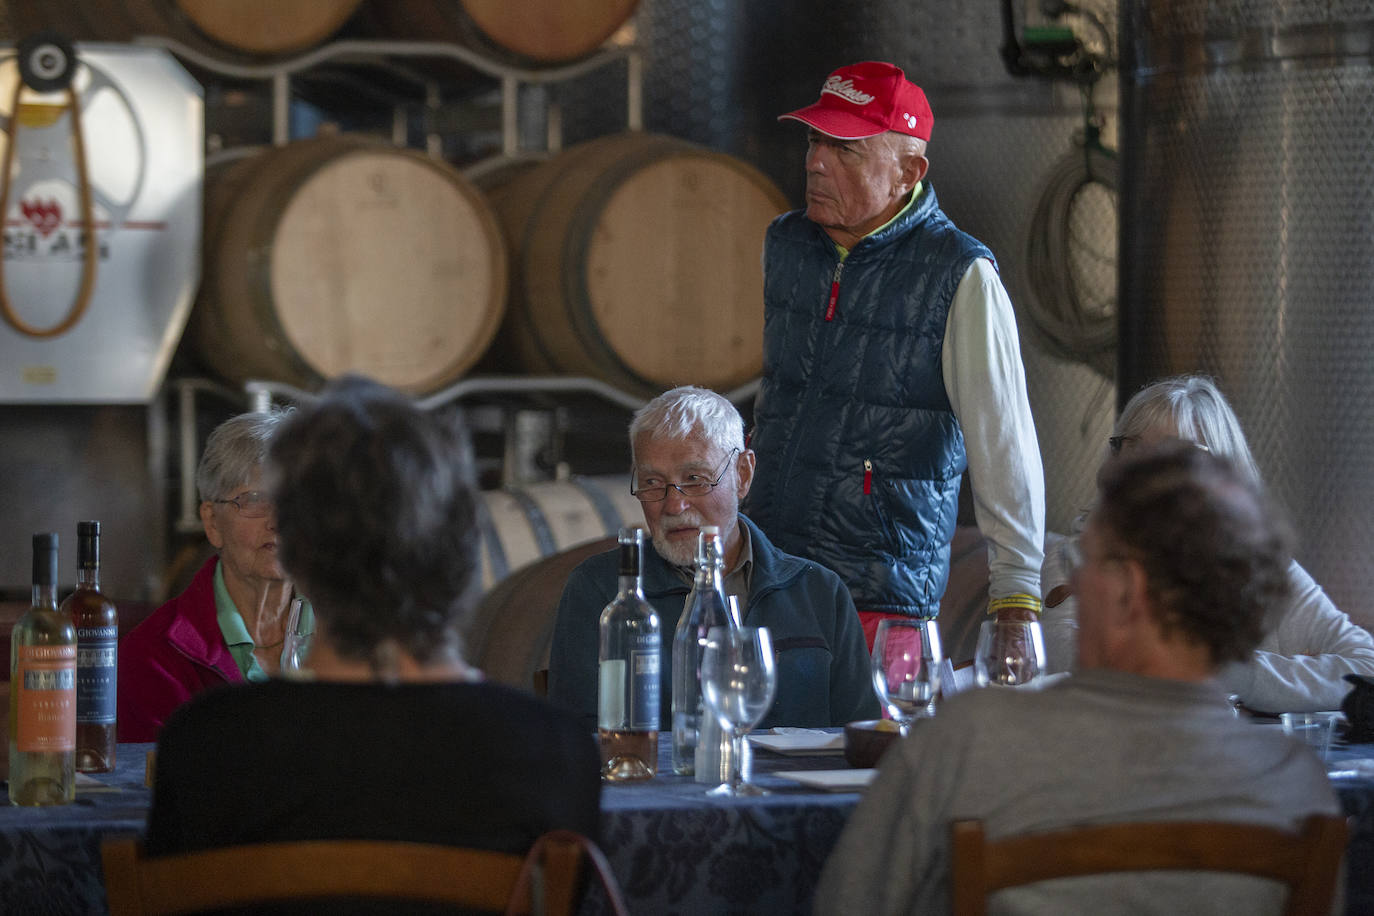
(539, 523)
(601, 502)
(496, 552)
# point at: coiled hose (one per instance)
(1071, 259)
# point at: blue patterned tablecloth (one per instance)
(50, 857)
(673, 849)
(676, 850)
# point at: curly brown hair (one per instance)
(1214, 551)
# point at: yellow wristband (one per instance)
(1020, 601)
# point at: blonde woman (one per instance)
(1311, 644)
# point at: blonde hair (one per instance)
(1196, 410)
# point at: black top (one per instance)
(477, 765)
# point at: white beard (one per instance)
(681, 553)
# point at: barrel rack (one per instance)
(510, 78)
(524, 431)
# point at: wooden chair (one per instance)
(1307, 861)
(389, 871)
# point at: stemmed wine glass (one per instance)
(1009, 652)
(906, 668)
(300, 627)
(738, 682)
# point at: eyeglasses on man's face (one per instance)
(1077, 558)
(694, 485)
(253, 504)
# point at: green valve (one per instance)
(1048, 33)
(1053, 38)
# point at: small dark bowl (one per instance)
(866, 741)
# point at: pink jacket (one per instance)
(173, 655)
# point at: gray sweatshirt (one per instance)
(1097, 747)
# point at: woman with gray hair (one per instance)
(391, 735)
(229, 625)
(1310, 645)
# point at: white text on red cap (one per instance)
(845, 90)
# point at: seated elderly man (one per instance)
(692, 435)
(1180, 566)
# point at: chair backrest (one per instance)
(390, 871)
(1307, 861)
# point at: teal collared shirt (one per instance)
(235, 633)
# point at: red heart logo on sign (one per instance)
(45, 215)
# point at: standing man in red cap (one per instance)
(891, 364)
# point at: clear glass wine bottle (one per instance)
(629, 661)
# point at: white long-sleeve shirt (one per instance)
(986, 384)
(1300, 664)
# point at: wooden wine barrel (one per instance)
(520, 525)
(635, 258)
(529, 33)
(336, 254)
(509, 634)
(238, 31)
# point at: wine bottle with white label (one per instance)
(97, 652)
(43, 692)
(628, 665)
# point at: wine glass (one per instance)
(906, 668)
(300, 628)
(1009, 652)
(738, 682)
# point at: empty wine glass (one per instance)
(738, 682)
(1009, 652)
(300, 627)
(906, 668)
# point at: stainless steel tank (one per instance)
(1247, 187)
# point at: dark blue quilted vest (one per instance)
(859, 454)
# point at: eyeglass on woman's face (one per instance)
(1116, 443)
(695, 485)
(252, 504)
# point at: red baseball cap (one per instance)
(867, 99)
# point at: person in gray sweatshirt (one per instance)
(1177, 573)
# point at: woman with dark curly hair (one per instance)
(392, 735)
